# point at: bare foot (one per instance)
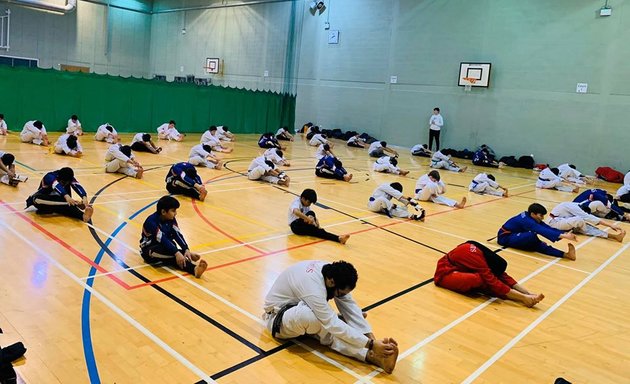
(533, 299)
(202, 194)
(347, 177)
(576, 190)
(194, 256)
(505, 193)
(219, 166)
(87, 214)
(200, 268)
(343, 238)
(386, 362)
(364, 315)
(461, 204)
(404, 173)
(571, 253)
(463, 169)
(139, 174)
(618, 236)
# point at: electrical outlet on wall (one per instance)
(266, 74)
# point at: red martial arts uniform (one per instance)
(465, 269)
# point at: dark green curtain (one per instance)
(135, 105)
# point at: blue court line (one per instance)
(88, 349)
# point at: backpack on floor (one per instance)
(510, 161)
(526, 162)
(609, 174)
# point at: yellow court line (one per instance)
(115, 213)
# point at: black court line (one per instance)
(372, 224)
(163, 291)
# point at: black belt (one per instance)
(277, 321)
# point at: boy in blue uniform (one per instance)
(55, 196)
(521, 232)
(182, 179)
(329, 167)
(162, 241)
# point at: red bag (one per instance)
(609, 174)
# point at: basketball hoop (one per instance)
(471, 81)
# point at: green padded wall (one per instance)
(135, 105)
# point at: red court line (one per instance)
(66, 245)
(311, 243)
(205, 219)
(231, 263)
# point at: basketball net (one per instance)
(471, 81)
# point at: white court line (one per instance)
(448, 327)
(540, 319)
(197, 371)
(286, 234)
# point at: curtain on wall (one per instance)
(135, 105)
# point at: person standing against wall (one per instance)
(435, 125)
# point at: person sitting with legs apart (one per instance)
(120, 160)
(162, 241)
(380, 202)
(201, 155)
(55, 196)
(262, 169)
(74, 126)
(142, 143)
(522, 230)
(167, 131)
(329, 167)
(387, 164)
(549, 179)
(34, 132)
(304, 222)
(421, 150)
(297, 305)
(473, 267)
(487, 184)
(106, 133)
(429, 187)
(380, 149)
(182, 179)
(211, 138)
(576, 217)
(355, 141)
(4, 130)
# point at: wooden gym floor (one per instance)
(89, 310)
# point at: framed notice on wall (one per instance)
(212, 65)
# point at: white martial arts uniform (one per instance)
(321, 152)
(199, 156)
(317, 139)
(102, 134)
(570, 174)
(3, 127)
(483, 184)
(31, 134)
(61, 146)
(303, 285)
(427, 189)
(569, 216)
(418, 148)
(383, 164)
(549, 180)
(168, 133)
(381, 201)
(212, 140)
(271, 154)
(137, 138)
(440, 160)
(354, 139)
(257, 170)
(376, 149)
(116, 161)
(625, 188)
(281, 132)
(222, 134)
(73, 126)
